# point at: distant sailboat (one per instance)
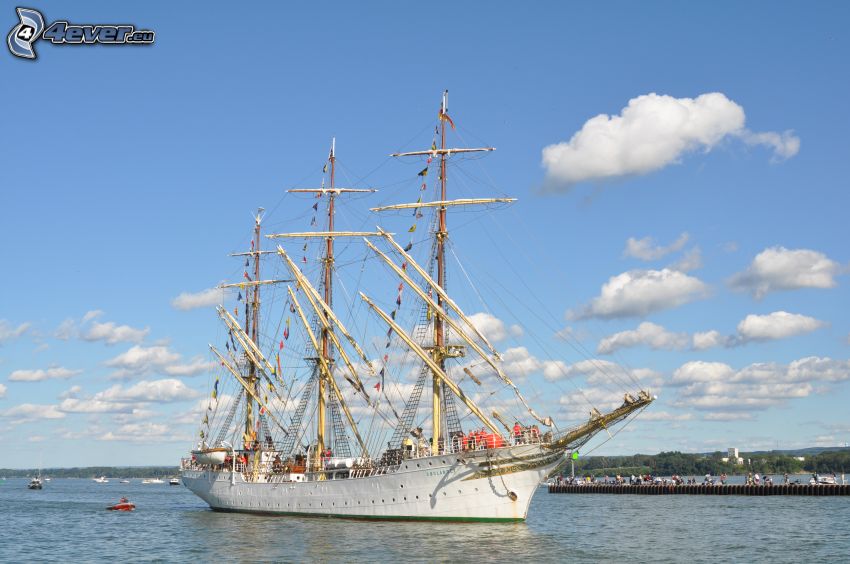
(36, 483)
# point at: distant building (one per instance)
(800, 458)
(733, 457)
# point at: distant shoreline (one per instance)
(93, 471)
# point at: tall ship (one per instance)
(426, 425)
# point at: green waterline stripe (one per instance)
(373, 517)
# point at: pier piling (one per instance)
(703, 489)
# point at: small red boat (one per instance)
(123, 505)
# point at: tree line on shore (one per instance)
(94, 471)
(685, 464)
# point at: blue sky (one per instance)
(130, 172)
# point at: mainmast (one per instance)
(440, 351)
(252, 322)
(326, 348)
(439, 330)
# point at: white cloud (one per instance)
(32, 412)
(136, 414)
(195, 414)
(195, 367)
(578, 404)
(651, 415)
(204, 298)
(9, 332)
(112, 334)
(646, 248)
(74, 405)
(776, 325)
(66, 331)
(55, 373)
(717, 387)
(728, 416)
(640, 292)
(701, 371)
(144, 433)
(815, 368)
(160, 391)
(785, 145)
(652, 132)
(596, 371)
(778, 268)
(494, 328)
(2, 391)
(691, 260)
(72, 392)
(518, 362)
(707, 339)
(654, 336)
(93, 314)
(140, 360)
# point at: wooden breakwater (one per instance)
(703, 489)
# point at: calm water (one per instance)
(67, 521)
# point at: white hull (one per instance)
(493, 485)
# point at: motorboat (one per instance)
(101, 480)
(174, 482)
(123, 505)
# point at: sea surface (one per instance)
(67, 521)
